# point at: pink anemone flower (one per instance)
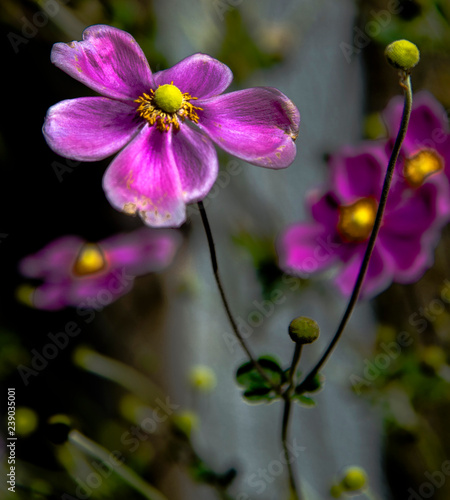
(164, 124)
(343, 215)
(427, 141)
(92, 275)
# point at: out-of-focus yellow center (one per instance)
(167, 106)
(90, 260)
(420, 166)
(356, 221)
(168, 98)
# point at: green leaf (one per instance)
(248, 376)
(256, 388)
(304, 400)
(314, 385)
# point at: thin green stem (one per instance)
(295, 495)
(94, 450)
(406, 85)
(293, 368)
(237, 333)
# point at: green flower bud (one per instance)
(336, 491)
(354, 479)
(402, 55)
(202, 378)
(26, 421)
(186, 422)
(303, 330)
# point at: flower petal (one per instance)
(196, 160)
(324, 208)
(103, 289)
(144, 179)
(107, 60)
(199, 75)
(411, 232)
(258, 125)
(89, 128)
(54, 261)
(305, 248)
(428, 126)
(378, 278)
(358, 172)
(51, 296)
(142, 251)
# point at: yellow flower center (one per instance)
(168, 98)
(90, 260)
(166, 106)
(356, 221)
(421, 165)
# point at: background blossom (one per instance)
(343, 214)
(81, 274)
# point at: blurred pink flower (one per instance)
(344, 211)
(79, 274)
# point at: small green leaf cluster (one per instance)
(256, 388)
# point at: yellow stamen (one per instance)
(90, 260)
(356, 220)
(167, 106)
(421, 165)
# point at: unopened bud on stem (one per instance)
(402, 54)
(303, 330)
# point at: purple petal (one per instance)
(410, 260)
(258, 125)
(304, 249)
(89, 128)
(53, 262)
(196, 161)
(410, 233)
(359, 172)
(428, 125)
(142, 251)
(324, 209)
(199, 75)
(108, 60)
(415, 215)
(378, 278)
(144, 179)
(51, 296)
(103, 290)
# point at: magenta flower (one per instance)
(164, 163)
(343, 215)
(427, 140)
(91, 275)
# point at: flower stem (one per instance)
(128, 475)
(295, 495)
(405, 83)
(215, 266)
